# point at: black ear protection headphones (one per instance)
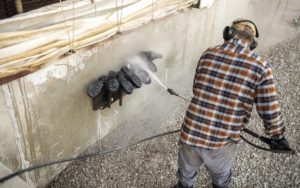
(229, 32)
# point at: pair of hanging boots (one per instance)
(112, 87)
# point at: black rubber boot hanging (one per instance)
(141, 73)
(125, 84)
(133, 78)
(149, 56)
(144, 76)
(100, 100)
(95, 88)
(112, 87)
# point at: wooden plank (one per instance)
(19, 6)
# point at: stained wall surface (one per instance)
(47, 115)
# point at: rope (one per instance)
(118, 20)
(121, 14)
(63, 12)
(95, 7)
(73, 20)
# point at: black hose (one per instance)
(80, 157)
(290, 151)
(256, 146)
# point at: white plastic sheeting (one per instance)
(206, 3)
(34, 39)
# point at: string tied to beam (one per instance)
(119, 15)
(71, 41)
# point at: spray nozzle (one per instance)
(172, 92)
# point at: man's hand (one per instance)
(279, 144)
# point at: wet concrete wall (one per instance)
(47, 115)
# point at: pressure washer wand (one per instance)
(172, 92)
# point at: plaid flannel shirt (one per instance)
(229, 80)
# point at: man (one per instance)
(229, 80)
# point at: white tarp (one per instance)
(29, 41)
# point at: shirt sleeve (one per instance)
(267, 104)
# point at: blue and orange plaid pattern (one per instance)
(229, 80)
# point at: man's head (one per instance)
(245, 26)
(244, 29)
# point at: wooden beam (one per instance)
(19, 6)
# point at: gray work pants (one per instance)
(217, 162)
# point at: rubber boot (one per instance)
(216, 186)
(180, 185)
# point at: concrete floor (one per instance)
(154, 163)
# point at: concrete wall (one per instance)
(47, 115)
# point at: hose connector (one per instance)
(172, 92)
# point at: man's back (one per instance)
(229, 79)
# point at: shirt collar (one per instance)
(239, 42)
